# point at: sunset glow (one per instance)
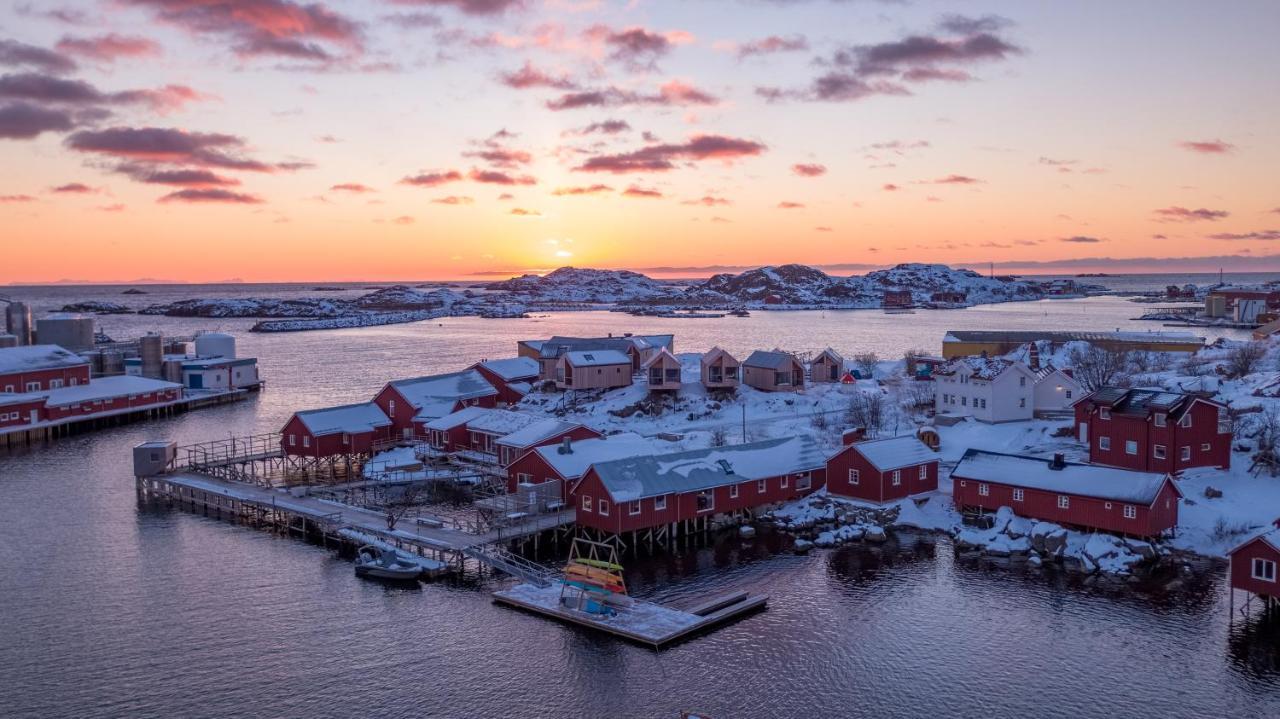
(273, 140)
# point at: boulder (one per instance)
(1034, 560)
(746, 531)
(876, 534)
(1212, 493)
(826, 539)
(802, 546)
(1146, 550)
(1055, 542)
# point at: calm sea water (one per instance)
(108, 609)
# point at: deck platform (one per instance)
(653, 625)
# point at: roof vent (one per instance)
(566, 446)
(724, 464)
(1058, 463)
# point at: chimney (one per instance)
(1033, 356)
(566, 446)
(1058, 463)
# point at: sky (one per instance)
(283, 140)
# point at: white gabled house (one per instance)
(1055, 391)
(987, 389)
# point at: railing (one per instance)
(233, 450)
(512, 564)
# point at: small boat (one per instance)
(377, 563)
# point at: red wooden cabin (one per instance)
(1110, 499)
(542, 433)
(411, 403)
(567, 462)
(1255, 565)
(650, 491)
(347, 429)
(512, 377)
(1153, 430)
(34, 368)
(883, 470)
(20, 410)
(449, 433)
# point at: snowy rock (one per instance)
(826, 539)
(1212, 493)
(802, 546)
(876, 534)
(1034, 560)
(1143, 549)
(747, 531)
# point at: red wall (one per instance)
(19, 380)
(23, 410)
(114, 404)
(450, 440)
(402, 418)
(1121, 428)
(1084, 511)
(682, 506)
(328, 444)
(507, 455)
(1242, 568)
(873, 485)
(532, 464)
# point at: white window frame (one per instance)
(524, 478)
(1263, 570)
(306, 440)
(1104, 413)
(984, 489)
(293, 440)
(633, 508)
(854, 476)
(762, 486)
(586, 503)
(896, 478)
(804, 480)
(1205, 446)
(1064, 502)
(602, 507)
(1185, 422)
(924, 471)
(711, 505)
(33, 386)
(1130, 511)
(733, 491)
(785, 481)
(1104, 444)
(1159, 451)
(660, 503)
(1185, 453)
(1131, 447)
(1161, 419)
(1018, 495)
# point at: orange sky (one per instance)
(142, 140)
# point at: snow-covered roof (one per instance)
(664, 355)
(1024, 336)
(34, 357)
(596, 358)
(894, 452)
(459, 418)
(467, 384)
(349, 418)
(434, 408)
(1270, 536)
(208, 362)
(592, 451)
(11, 398)
(536, 432)
(1089, 480)
(513, 368)
(1141, 401)
(557, 346)
(769, 360)
(649, 341)
(984, 368)
(502, 422)
(835, 356)
(654, 475)
(105, 388)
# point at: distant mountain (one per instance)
(573, 284)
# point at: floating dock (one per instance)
(653, 625)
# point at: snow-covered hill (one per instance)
(573, 284)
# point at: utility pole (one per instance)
(744, 422)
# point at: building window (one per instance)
(733, 491)
(761, 487)
(1158, 451)
(634, 507)
(1185, 454)
(1064, 502)
(1106, 505)
(604, 507)
(924, 471)
(962, 483)
(1264, 569)
(1204, 447)
(984, 489)
(1185, 421)
(1104, 444)
(1022, 381)
(306, 440)
(1104, 413)
(785, 481)
(522, 478)
(1068, 394)
(346, 438)
(897, 477)
(1017, 495)
(391, 407)
(1130, 446)
(1161, 419)
(586, 503)
(804, 481)
(293, 440)
(55, 383)
(1130, 511)
(1022, 401)
(660, 503)
(853, 476)
(706, 500)
(33, 386)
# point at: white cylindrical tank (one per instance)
(151, 350)
(215, 344)
(73, 332)
(17, 321)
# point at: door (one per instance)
(1084, 432)
(197, 381)
(35, 416)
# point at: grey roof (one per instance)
(894, 452)
(596, 358)
(350, 418)
(1087, 480)
(34, 357)
(467, 384)
(769, 360)
(537, 432)
(654, 475)
(557, 346)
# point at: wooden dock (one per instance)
(653, 625)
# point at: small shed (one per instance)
(1255, 566)
(346, 429)
(662, 372)
(882, 470)
(719, 369)
(828, 366)
(593, 369)
(775, 371)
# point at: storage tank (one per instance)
(112, 363)
(8, 340)
(172, 371)
(17, 321)
(151, 350)
(73, 332)
(175, 347)
(215, 344)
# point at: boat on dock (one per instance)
(378, 563)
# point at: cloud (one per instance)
(180, 177)
(823, 228)
(636, 47)
(1208, 147)
(15, 199)
(211, 195)
(502, 157)
(117, 207)
(771, 45)
(860, 71)
(20, 54)
(172, 146)
(808, 170)
(50, 90)
(24, 120)
(604, 127)
(642, 192)
(708, 201)
(890, 187)
(956, 180)
(588, 190)
(673, 93)
(403, 220)
(1259, 235)
(521, 212)
(109, 47)
(494, 177)
(470, 7)
(662, 157)
(787, 205)
(1182, 214)
(454, 200)
(74, 188)
(279, 28)
(432, 179)
(529, 76)
(1081, 239)
(353, 187)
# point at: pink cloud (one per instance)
(808, 170)
(1207, 147)
(1182, 214)
(211, 196)
(432, 179)
(662, 157)
(353, 187)
(109, 47)
(642, 192)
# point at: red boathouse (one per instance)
(35, 368)
(1255, 566)
(1152, 430)
(347, 429)
(882, 470)
(1092, 497)
(411, 403)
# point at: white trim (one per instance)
(1267, 566)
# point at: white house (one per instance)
(1055, 390)
(987, 389)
